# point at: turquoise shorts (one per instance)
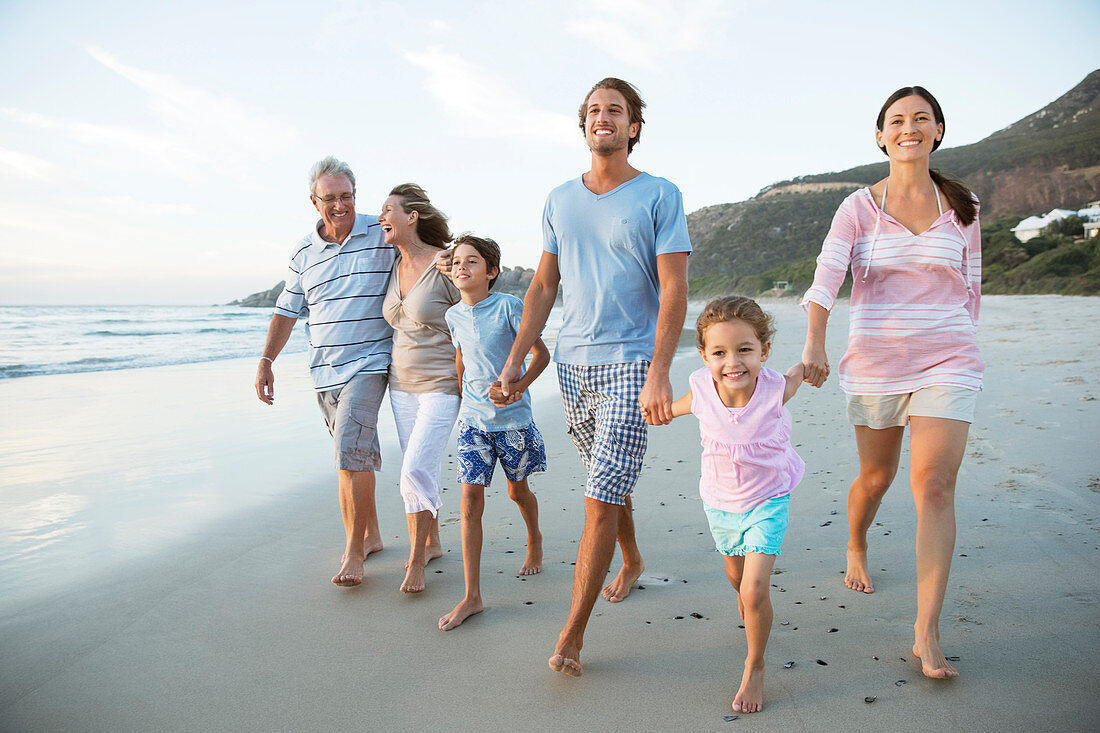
(760, 529)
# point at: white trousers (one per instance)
(424, 423)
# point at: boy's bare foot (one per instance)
(533, 562)
(464, 610)
(351, 573)
(937, 667)
(414, 578)
(620, 587)
(750, 698)
(858, 577)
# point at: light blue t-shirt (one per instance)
(485, 332)
(607, 247)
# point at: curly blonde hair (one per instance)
(734, 308)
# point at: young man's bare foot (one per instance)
(750, 698)
(351, 573)
(414, 578)
(465, 609)
(567, 659)
(620, 587)
(857, 576)
(533, 562)
(932, 661)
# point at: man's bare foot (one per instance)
(414, 578)
(351, 573)
(858, 577)
(533, 562)
(620, 587)
(369, 546)
(937, 667)
(567, 659)
(750, 698)
(431, 552)
(464, 610)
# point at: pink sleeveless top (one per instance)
(747, 453)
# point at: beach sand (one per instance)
(166, 544)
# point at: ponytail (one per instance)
(958, 196)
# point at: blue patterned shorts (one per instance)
(605, 422)
(520, 452)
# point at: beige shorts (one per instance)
(351, 415)
(880, 411)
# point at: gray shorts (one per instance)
(351, 414)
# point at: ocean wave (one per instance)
(133, 333)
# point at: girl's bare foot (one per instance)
(466, 608)
(620, 587)
(932, 661)
(857, 576)
(414, 578)
(533, 562)
(750, 698)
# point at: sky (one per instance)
(157, 153)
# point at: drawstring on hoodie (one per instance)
(939, 205)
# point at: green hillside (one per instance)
(1046, 160)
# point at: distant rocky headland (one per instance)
(513, 280)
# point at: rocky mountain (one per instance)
(1048, 159)
(511, 280)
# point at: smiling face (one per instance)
(470, 273)
(909, 129)
(733, 354)
(607, 126)
(334, 198)
(398, 225)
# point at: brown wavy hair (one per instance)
(487, 248)
(431, 223)
(734, 308)
(634, 105)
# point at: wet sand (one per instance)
(166, 543)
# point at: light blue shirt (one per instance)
(338, 289)
(607, 247)
(484, 332)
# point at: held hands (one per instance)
(497, 397)
(815, 365)
(656, 401)
(265, 382)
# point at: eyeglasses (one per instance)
(344, 198)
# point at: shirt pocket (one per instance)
(624, 233)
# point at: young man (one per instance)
(616, 241)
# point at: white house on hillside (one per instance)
(1033, 226)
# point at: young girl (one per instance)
(749, 466)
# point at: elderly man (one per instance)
(337, 279)
(616, 240)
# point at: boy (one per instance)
(491, 427)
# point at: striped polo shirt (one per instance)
(913, 318)
(339, 290)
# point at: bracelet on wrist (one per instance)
(269, 359)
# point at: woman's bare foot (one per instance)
(857, 576)
(350, 574)
(533, 562)
(750, 698)
(937, 667)
(620, 587)
(414, 578)
(466, 608)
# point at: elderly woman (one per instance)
(913, 244)
(424, 387)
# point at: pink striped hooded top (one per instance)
(915, 297)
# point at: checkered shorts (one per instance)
(605, 422)
(520, 452)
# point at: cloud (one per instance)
(475, 94)
(27, 166)
(643, 33)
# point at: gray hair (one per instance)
(329, 166)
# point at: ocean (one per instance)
(62, 339)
